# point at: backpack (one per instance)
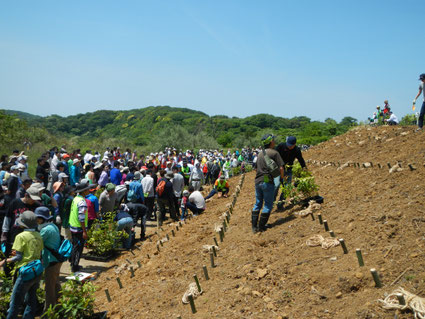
(160, 187)
(272, 167)
(64, 251)
(215, 170)
(131, 196)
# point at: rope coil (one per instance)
(192, 290)
(413, 302)
(318, 240)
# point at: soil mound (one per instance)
(275, 274)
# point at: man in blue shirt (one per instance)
(135, 192)
(115, 175)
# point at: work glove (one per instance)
(414, 101)
(58, 220)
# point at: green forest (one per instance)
(153, 128)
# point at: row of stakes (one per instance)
(139, 264)
(213, 253)
(359, 255)
(363, 165)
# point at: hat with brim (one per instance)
(110, 187)
(98, 165)
(79, 188)
(43, 212)
(27, 220)
(137, 176)
(39, 186)
(56, 186)
(34, 192)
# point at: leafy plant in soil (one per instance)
(104, 236)
(307, 186)
(6, 288)
(76, 301)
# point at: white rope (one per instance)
(413, 302)
(209, 248)
(218, 228)
(318, 240)
(192, 290)
(313, 206)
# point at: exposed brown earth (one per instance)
(275, 274)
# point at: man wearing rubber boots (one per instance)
(264, 184)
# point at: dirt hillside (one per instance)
(275, 274)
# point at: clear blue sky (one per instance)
(238, 58)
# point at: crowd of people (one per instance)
(383, 116)
(70, 191)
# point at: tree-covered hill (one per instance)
(181, 127)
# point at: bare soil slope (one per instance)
(275, 274)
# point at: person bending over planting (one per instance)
(221, 187)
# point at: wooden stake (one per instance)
(177, 228)
(173, 233)
(215, 241)
(204, 268)
(212, 259)
(214, 251)
(221, 235)
(108, 296)
(192, 303)
(312, 216)
(331, 233)
(161, 243)
(168, 237)
(139, 264)
(128, 261)
(197, 283)
(320, 218)
(119, 282)
(147, 255)
(401, 299)
(359, 257)
(375, 276)
(132, 272)
(344, 248)
(157, 247)
(325, 223)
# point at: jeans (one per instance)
(264, 193)
(24, 292)
(195, 210)
(421, 116)
(126, 224)
(77, 250)
(139, 211)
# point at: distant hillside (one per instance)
(22, 115)
(182, 127)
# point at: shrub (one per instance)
(236, 170)
(6, 288)
(76, 301)
(104, 236)
(248, 168)
(307, 186)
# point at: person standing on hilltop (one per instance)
(422, 112)
(264, 184)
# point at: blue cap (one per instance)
(291, 141)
